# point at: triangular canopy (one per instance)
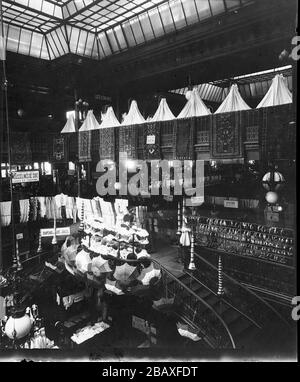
(70, 125)
(109, 119)
(194, 107)
(90, 123)
(278, 93)
(233, 101)
(134, 116)
(163, 112)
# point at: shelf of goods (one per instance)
(269, 244)
(112, 257)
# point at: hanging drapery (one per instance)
(278, 93)
(277, 133)
(226, 136)
(233, 101)
(107, 143)
(202, 129)
(134, 116)
(194, 107)
(163, 112)
(20, 148)
(152, 140)
(60, 149)
(5, 213)
(70, 125)
(183, 140)
(84, 146)
(85, 137)
(128, 141)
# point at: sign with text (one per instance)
(194, 201)
(150, 139)
(231, 203)
(25, 176)
(49, 232)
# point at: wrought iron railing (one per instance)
(208, 321)
(247, 301)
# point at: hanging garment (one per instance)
(96, 208)
(42, 206)
(24, 210)
(69, 207)
(60, 203)
(33, 208)
(5, 212)
(49, 208)
(107, 213)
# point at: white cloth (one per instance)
(88, 332)
(24, 210)
(278, 93)
(42, 203)
(163, 112)
(70, 125)
(69, 207)
(109, 119)
(90, 123)
(134, 116)
(233, 101)
(194, 107)
(5, 213)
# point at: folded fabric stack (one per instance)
(88, 332)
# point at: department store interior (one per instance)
(164, 132)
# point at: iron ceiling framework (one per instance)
(251, 86)
(96, 29)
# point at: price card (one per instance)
(150, 139)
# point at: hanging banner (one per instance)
(152, 140)
(20, 148)
(60, 149)
(183, 141)
(107, 143)
(25, 176)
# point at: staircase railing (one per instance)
(211, 325)
(236, 293)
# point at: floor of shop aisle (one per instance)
(168, 256)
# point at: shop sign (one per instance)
(49, 232)
(25, 176)
(231, 203)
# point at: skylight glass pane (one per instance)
(217, 7)
(48, 7)
(145, 22)
(105, 44)
(36, 44)
(89, 44)
(82, 43)
(73, 38)
(156, 22)
(166, 18)
(190, 11)
(178, 15)
(136, 29)
(128, 33)
(54, 44)
(13, 38)
(62, 39)
(35, 4)
(24, 45)
(112, 40)
(120, 37)
(203, 9)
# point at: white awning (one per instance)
(163, 112)
(278, 93)
(194, 107)
(70, 125)
(109, 119)
(134, 116)
(233, 102)
(90, 123)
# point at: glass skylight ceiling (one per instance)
(99, 28)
